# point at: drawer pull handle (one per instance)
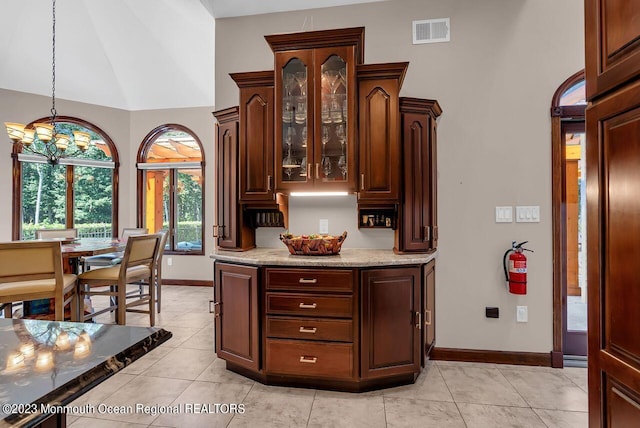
(427, 317)
(307, 280)
(311, 330)
(310, 360)
(306, 306)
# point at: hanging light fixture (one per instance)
(45, 139)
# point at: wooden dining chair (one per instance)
(143, 292)
(111, 259)
(56, 233)
(138, 263)
(31, 270)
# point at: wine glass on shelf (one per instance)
(342, 161)
(342, 73)
(304, 137)
(301, 78)
(288, 81)
(332, 79)
(326, 160)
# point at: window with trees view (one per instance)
(79, 192)
(171, 179)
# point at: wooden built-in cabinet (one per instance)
(236, 311)
(418, 227)
(348, 329)
(391, 322)
(612, 77)
(231, 230)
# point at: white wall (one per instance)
(494, 81)
(127, 130)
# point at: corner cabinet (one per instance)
(331, 327)
(418, 227)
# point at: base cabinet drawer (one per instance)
(310, 329)
(309, 304)
(310, 279)
(303, 358)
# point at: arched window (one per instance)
(80, 192)
(171, 187)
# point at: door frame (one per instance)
(558, 115)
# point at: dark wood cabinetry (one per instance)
(418, 228)
(613, 210)
(256, 141)
(391, 322)
(349, 329)
(237, 315)
(379, 128)
(231, 231)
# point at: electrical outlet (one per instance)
(491, 312)
(522, 314)
(323, 228)
(169, 261)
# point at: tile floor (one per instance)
(185, 371)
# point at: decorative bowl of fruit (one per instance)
(313, 245)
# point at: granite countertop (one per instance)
(51, 362)
(348, 257)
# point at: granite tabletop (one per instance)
(348, 257)
(53, 363)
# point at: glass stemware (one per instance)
(288, 80)
(325, 161)
(332, 78)
(301, 78)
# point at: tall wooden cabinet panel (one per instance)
(237, 315)
(391, 322)
(429, 308)
(256, 136)
(379, 130)
(231, 230)
(613, 210)
(612, 44)
(418, 228)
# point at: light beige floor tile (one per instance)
(182, 363)
(483, 416)
(145, 391)
(271, 406)
(186, 319)
(206, 404)
(217, 372)
(103, 423)
(409, 413)
(563, 418)
(578, 376)
(179, 335)
(341, 409)
(101, 392)
(548, 390)
(71, 419)
(203, 339)
(143, 363)
(429, 386)
(470, 384)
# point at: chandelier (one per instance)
(45, 139)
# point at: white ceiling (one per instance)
(129, 54)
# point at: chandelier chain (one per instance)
(53, 66)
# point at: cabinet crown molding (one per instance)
(320, 39)
(253, 78)
(227, 115)
(388, 70)
(420, 105)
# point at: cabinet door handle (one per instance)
(307, 280)
(307, 306)
(213, 311)
(216, 229)
(310, 360)
(311, 330)
(427, 233)
(308, 171)
(317, 170)
(427, 317)
(361, 181)
(269, 179)
(419, 320)
(435, 233)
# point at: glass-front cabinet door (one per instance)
(315, 132)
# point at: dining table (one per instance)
(73, 250)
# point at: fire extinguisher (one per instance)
(516, 273)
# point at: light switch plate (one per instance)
(504, 214)
(522, 314)
(528, 214)
(323, 227)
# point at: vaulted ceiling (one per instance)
(129, 54)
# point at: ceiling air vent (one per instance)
(431, 31)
